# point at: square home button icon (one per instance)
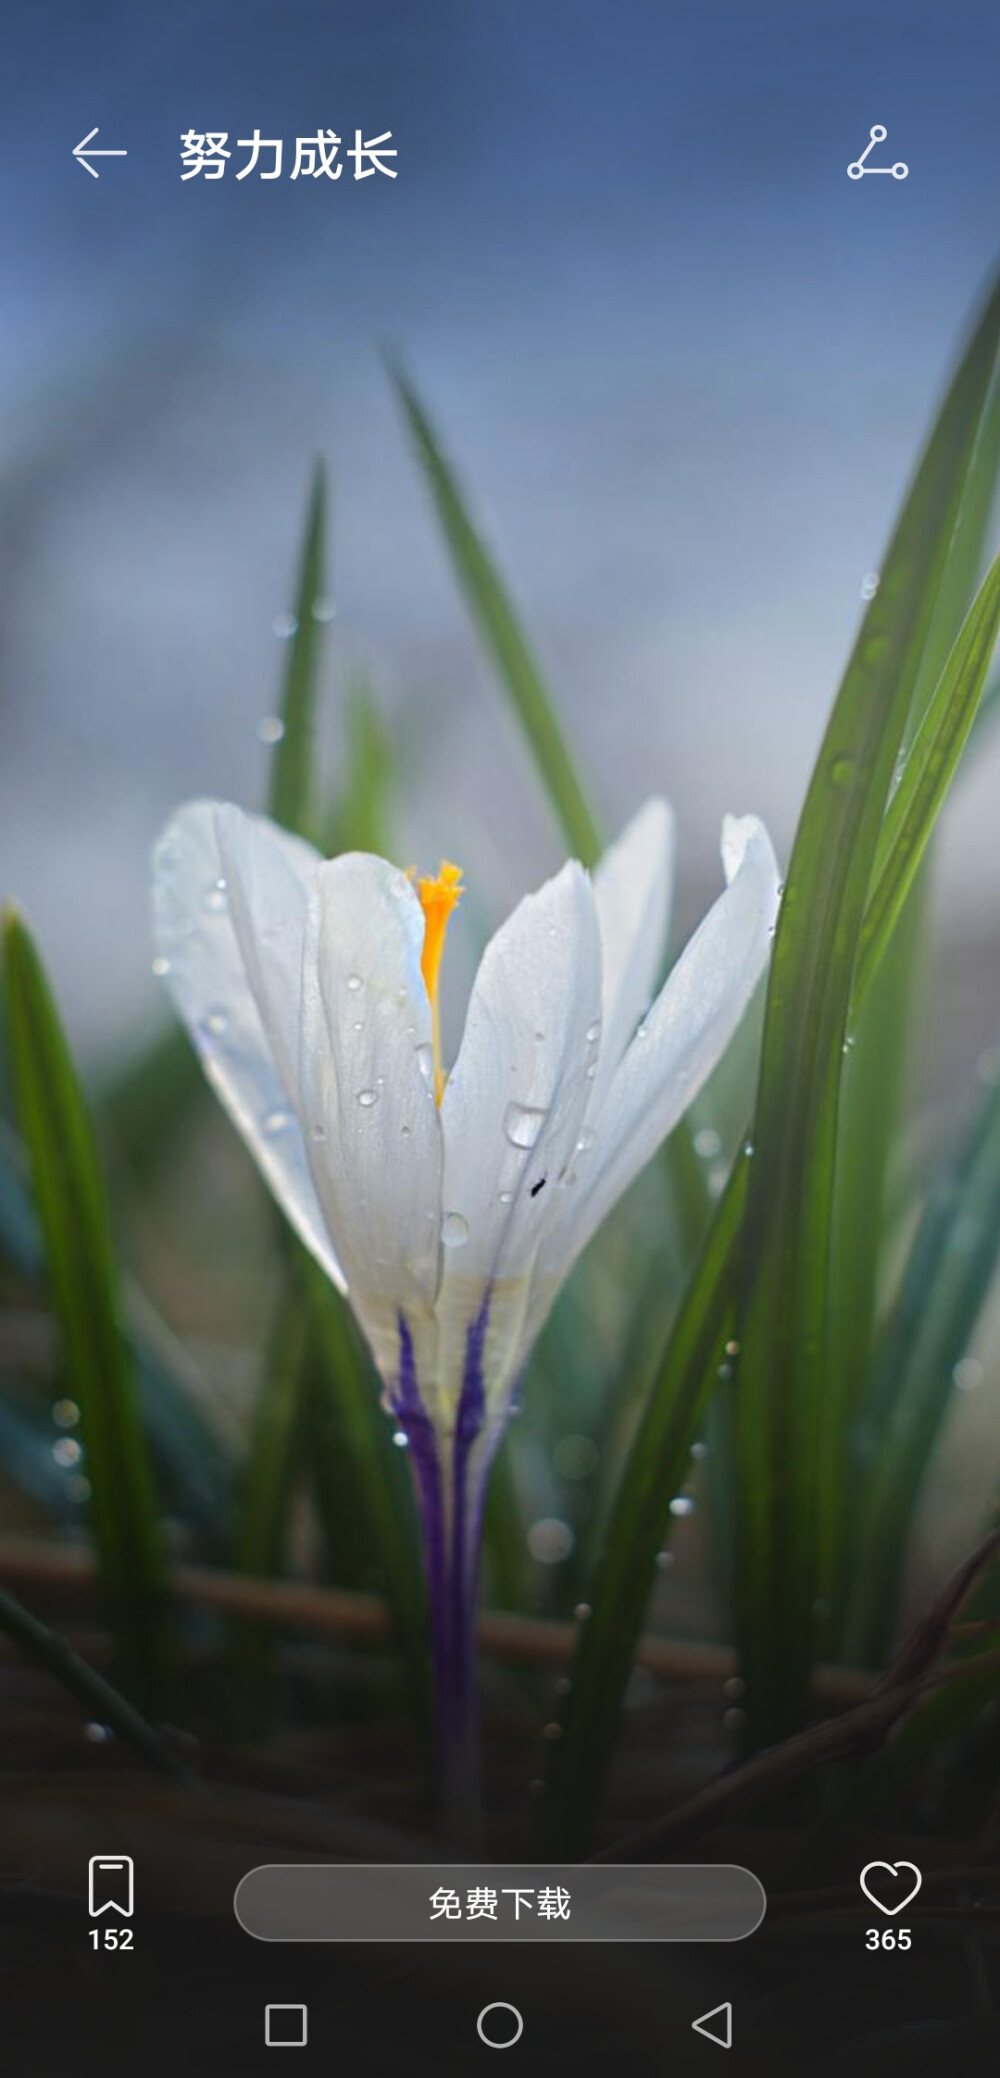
(286, 2027)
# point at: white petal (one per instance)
(514, 1103)
(684, 1037)
(632, 887)
(372, 1129)
(230, 899)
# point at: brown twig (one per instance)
(28, 1562)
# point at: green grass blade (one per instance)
(949, 1271)
(348, 1420)
(292, 798)
(503, 635)
(103, 1704)
(871, 1099)
(783, 1442)
(636, 1530)
(262, 1512)
(928, 772)
(84, 1283)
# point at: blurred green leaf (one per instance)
(634, 1533)
(262, 1511)
(362, 813)
(196, 1468)
(292, 799)
(948, 1274)
(501, 630)
(783, 1417)
(84, 1284)
(140, 1105)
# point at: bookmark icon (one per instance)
(857, 168)
(111, 1886)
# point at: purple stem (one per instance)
(451, 1493)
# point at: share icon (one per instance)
(857, 168)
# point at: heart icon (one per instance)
(893, 1869)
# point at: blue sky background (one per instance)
(684, 362)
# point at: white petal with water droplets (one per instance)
(230, 899)
(373, 1133)
(633, 887)
(683, 1038)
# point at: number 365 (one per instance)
(890, 1937)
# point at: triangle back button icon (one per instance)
(717, 2026)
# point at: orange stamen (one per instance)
(439, 895)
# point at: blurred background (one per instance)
(682, 361)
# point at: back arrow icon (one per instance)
(80, 152)
(722, 2032)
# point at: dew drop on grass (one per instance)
(454, 1230)
(732, 1349)
(682, 1504)
(366, 1098)
(522, 1124)
(583, 1612)
(97, 1734)
(967, 1374)
(841, 771)
(284, 626)
(707, 1143)
(664, 1561)
(67, 1452)
(270, 728)
(401, 1439)
(552, 1732)
(66, 1414)
(550, 1540)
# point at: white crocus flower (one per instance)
(449, 1206)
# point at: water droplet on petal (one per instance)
(454, 1230)
(319, 1132)
(276, 1121)
(642, 1031)
(522, 1124)
(215, 1021)
(506, 1197)
(366, 1098)
(425, 1062)
(284, 626)
(270, 728)
(324, 608)
(707, 1143)
(97, 1734)
(870, 584)
(354, 983)
(214, 897)
(161, 966)
(404, 1132)
(593, 1032)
